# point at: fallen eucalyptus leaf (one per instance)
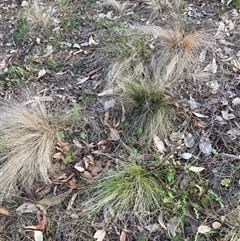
(152, 227)
(159, 144)
(236, 101)
(100, 234)
(55, 200)
(106, 92)
(196, 169)
(185, 155)
(38, 235)
(27, 208)
(216, 225)
(189, 140)
(160, 220)
(172, 226)
(205, 147)
(204, 229)
(200, 115)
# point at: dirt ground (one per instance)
(66, 64)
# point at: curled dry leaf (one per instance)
(42, 221)
(102, 142)
(100, 234)
(204, 229)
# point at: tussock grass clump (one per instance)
(130, 191)
(233, 219)
(117, 5)
(177, 52)
(29, 140)
(160, 5)
(147, 107)
(38, 17)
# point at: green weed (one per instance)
(15, 75)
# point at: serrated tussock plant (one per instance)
(130, 191)
(38, 17)
(177, 51)
(29, 140)
(147, 107)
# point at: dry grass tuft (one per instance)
(38, 16)
(233, 221)
(177, 51)
(29, 140)
(157, 6)
(117, 6)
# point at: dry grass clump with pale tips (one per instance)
(38, 17)
(177, 52)
(117, 6)
(28, 140)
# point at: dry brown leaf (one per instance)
(55, 200)
(42, 221)
(95, 170)
(100, 234)
(93, 71)
(114, 135)
(59, 156)
(4, 211)
(102, 142)
(86, 174)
